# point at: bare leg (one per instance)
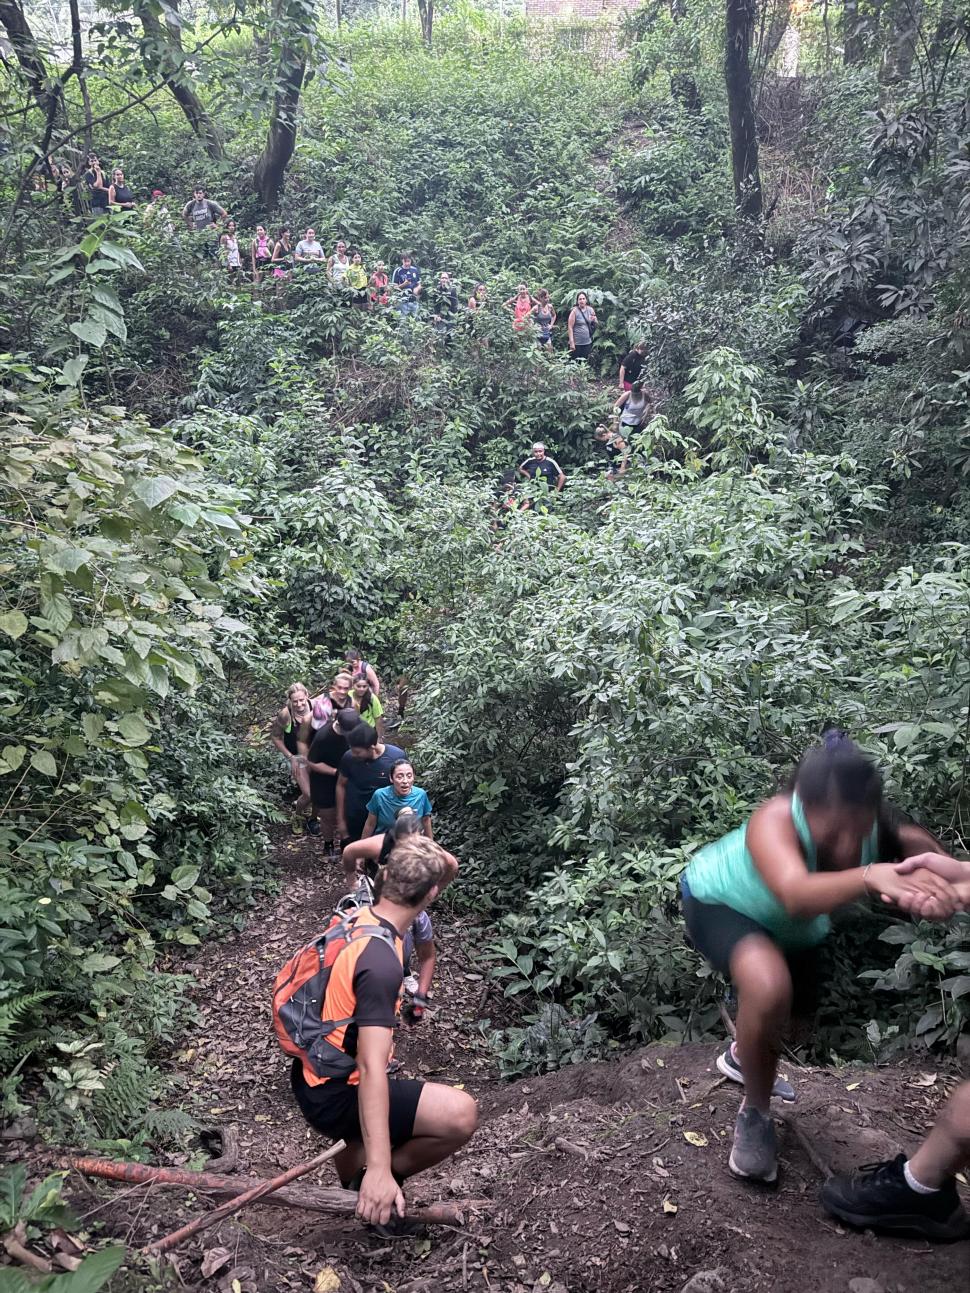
(446, 1120)
(350, 1160)
(763, 982)
(947, 1148)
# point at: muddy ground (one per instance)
(602, 1177)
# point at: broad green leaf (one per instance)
(66, 560)
(13, 623)
(91, 331)
(43, 761)
(99, 963)
(133, 729)
(153, 490)
(93, 726)
(73, 370)
(184, 877)
(13, 756)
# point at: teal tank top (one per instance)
(724, 872)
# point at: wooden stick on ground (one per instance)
(326, 1199)
(241, 1200)
(816, 1158)
(727, 1020)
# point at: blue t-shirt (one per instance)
(385, 804)
(407, 279)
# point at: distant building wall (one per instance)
(569, 10)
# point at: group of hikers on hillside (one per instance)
(756, 904)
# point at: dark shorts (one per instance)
(332, 1108)
(581, 352)
(716, 930)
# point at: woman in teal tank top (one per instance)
(757, 905)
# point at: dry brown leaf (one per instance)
(213, 1260)
(327, 1281)
(669, 1206)
(695, 1138)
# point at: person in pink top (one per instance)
(261, 252)
(521, 306)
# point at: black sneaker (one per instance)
(312, 826)
(398, 1228)
(877, 1197)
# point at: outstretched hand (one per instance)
(918, 891)
(953, 870)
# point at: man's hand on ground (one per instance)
(379, 1197)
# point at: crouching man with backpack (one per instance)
(335, 1005)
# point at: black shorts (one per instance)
(332, 1108)
(715, 931)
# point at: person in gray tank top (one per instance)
(582, 321)
(632, 406)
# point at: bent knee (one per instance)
(467, 1119)
(956, 1112)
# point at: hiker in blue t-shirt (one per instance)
(407, 284)
(386, 803)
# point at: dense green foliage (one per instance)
(208, 493)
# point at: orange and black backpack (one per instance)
(301, 990)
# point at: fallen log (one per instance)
(330, 1200)
(231, 1206)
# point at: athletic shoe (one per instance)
(728, 1065)
(398, 1228)
(754, 1155)
(297, 825)
(410, 984)
(878, 1197)
(312, 826)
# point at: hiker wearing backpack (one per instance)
(394, 1127)
(366, 857)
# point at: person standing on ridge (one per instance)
(581, 326)
(407, 284)
(201, 212)
(632, 365)
(539, 465)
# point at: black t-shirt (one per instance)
(632, 366)
(378, 976)
(97, 197)
(329, 747)
(548, 468)
(364, 776)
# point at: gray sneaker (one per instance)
(754, 1155)
(727, 1063)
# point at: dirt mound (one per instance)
(603, 1178)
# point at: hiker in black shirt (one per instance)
(540, 465)
(632, 365)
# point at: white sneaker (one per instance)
(411, 984)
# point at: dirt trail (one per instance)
(595, 1184)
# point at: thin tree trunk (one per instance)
(426, 10)
(903, 19)
(46, 90)
(281, 134)
(739, 27)
(164, 56)
(683, 87)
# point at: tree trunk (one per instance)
(295, 26)
(426, 10)
(683, 87)
(739, 27)
(903, 19)
(47, 90)
(163, 55)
